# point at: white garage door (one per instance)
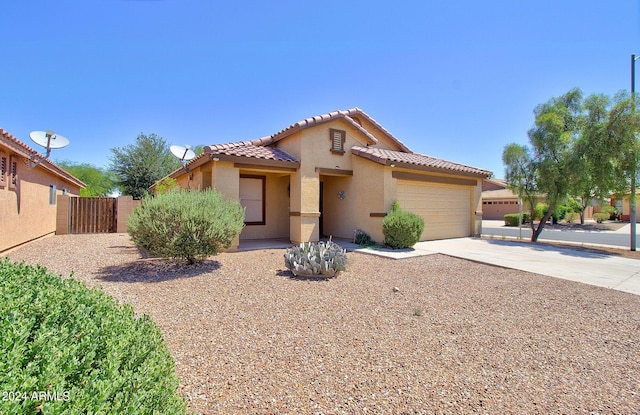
(446, 208)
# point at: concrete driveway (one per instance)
(609, 271)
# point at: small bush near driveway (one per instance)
(401, 229)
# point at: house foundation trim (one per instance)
(305, 214)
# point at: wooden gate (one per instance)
(92, 215)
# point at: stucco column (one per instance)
(304, 213)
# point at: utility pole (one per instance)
(633, 196)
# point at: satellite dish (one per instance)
(49, 140)
(183, 153)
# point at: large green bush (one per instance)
(511, 219)
(185, 224)
(68, 349)
(401, 229)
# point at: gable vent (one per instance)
(338, 138)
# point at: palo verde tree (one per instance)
(552, 140)
(592, 164)
(138, 166)
(520, 175)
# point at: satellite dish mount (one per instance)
(184, 154)
(49, 140)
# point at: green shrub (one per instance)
(511, 219)
(574, 206)
(185, 224)
(600, 217)
(540, 210)
(401, 229)
(559, 213)
(572, 217)
(611, 211)
(362, 238)
(316, 258)
(68, 349)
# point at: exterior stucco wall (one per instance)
(313, 147)
(25, 212)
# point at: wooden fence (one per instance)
(93, 214)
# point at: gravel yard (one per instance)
(458, 336)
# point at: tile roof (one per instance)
(387, 157)
(347, 115)
(21, 148)
(251, 150)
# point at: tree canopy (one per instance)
(584, 148)
(100, 182)
(137, 166)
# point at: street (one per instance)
(619, 238)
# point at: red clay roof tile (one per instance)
(250, 150)
(384, 156)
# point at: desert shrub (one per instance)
(571, 217)
(316, 258)
(511, 219)
(611, 211)
(362, 238)
(401, 229)
(68, 349)
(600, 217)
(185, 224)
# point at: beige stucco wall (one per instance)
(312, 146)
(25, 212)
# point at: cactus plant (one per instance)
(316, 258)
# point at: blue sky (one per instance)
(452, 79)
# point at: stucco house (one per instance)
(333, 173)
(28, 195)
(498, 200)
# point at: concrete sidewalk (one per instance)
(609, 271)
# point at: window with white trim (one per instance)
(337, 138)
(252, 198)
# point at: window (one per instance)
(252, 190)
(4, 166)
(337, 138)
(52, 194)
(13, 172)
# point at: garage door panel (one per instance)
(444, 208)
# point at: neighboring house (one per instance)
(331, 174)
(625, 208)
(28, 194)
(497, 199)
